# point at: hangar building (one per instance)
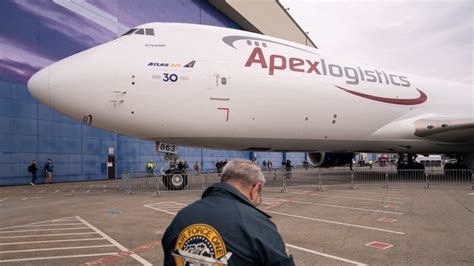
(34, 34)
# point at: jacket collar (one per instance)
(232, 191)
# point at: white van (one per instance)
(432, 160)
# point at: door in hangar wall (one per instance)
(111, 163)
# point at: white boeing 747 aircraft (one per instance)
(222, 88)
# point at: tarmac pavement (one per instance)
(94, 223)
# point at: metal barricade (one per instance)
(316, 178)
(125, 183)
(472, 179)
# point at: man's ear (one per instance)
(254, 192)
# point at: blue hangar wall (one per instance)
(34, 34)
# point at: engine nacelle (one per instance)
(329, 159)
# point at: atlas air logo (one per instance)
(353, 76)
(161, 64)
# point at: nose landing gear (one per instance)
(174, 178)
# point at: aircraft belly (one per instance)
(267, 144)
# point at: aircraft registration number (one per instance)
(166, 147)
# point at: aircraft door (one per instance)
(219, 81)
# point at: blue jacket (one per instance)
(224, 220)
(49, 167)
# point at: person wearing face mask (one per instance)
(225, 227)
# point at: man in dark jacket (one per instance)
(33, 169)
(225, 226)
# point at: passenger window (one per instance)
(150, 32)
(140, 31)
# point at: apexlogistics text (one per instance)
(352, 75)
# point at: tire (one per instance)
(175, 179)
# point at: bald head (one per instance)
(244, 172)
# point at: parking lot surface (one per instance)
(95, 223)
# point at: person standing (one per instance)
(196, 168)
(33, 169)
(218, 167)
(48, 168)
(288, 167)
(225, 226)
(150, 166)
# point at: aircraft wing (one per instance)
(445, 130)
(432, 127)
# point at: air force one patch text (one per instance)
(202, 240)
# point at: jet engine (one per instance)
(329, 159)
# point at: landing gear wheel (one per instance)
(175, 179)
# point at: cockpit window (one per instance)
(150, 32)
(141, 31)
(129, 32)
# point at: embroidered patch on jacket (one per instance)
(202, 240)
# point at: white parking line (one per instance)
(326, 255)
(335, 206)
(338, 223)
(470, 194)
(3, 199)
(41, 230)
(342, 197)
(51, 241)
(71, 234)
(174, 208)
(47, 249)
(40, 225)
(366, 192)
(71, 218)
(160, 210)
(292, 192)
(169, 207)
(69, 221)
(50, 223)
(117, 244)
(61, 257)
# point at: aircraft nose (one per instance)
(38, 85)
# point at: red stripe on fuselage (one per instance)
(419, 100)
